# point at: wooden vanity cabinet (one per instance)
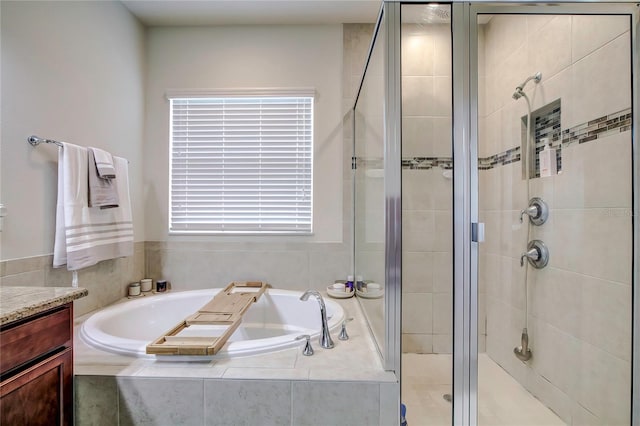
(36, 369)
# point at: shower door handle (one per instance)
(477, 232)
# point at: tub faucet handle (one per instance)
(343, 331)
(308, 349)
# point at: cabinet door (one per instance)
(40, 395)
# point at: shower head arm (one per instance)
(536, 77)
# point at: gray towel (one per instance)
(103, 193)
(104, 163)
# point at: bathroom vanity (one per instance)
(36, 355)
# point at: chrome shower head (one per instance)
(519, 90)
(517, 94)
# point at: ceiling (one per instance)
(252, 12)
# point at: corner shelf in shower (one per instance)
(226, 309)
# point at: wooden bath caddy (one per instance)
(226, 308)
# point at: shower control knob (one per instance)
(538, 211)
(537, 254)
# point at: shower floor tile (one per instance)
(502, 401)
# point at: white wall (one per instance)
(71, 71)
(248, 57)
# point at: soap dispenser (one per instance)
(548, 166)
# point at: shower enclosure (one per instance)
(495, 161)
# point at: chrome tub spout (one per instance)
(325, 337)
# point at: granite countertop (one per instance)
(20, 302)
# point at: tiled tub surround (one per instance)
(289, 266)
(106, 282)
(579, 305)
(344, 385)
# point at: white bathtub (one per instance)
(269, 325)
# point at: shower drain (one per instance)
(447, 397)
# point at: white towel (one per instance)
(104, 163)
(84, 235)
(103, 193)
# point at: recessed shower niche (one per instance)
(546, 130)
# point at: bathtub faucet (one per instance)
(325, 337)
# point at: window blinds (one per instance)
(241, 164)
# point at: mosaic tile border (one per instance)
(427, 163)
(507, 157)
(598, 128)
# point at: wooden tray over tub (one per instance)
(226, 308)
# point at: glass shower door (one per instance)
(369, 193)
(427, 212)
(554, 175)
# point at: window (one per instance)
(241, 164)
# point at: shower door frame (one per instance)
(465, 185)
(468, 413)
(465, 230)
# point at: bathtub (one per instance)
(269, 325)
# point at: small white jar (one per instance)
(146, 284)
(134, 289)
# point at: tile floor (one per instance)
(502, 401)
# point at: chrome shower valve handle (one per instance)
(531, 211)
(537, 254)
(532, 254)
(538, 211)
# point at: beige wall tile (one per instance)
(590, 32)
(417, 194)
(332, 403)
(442, 343)
(247, 402)
(417, 50)
(24, 279)
(137, 407)
(442, 272)
(602, 385)
(442, 53)
(536, 22)
(600, 82)
(442, 136)
(417, 96)
(418, 230)
(417, 137)
(417, 343)
(593, 242)
(442, 313)
(417, 272)
(550, 48)
(555, 353)
(417, 313)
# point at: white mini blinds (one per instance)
(241, 164)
